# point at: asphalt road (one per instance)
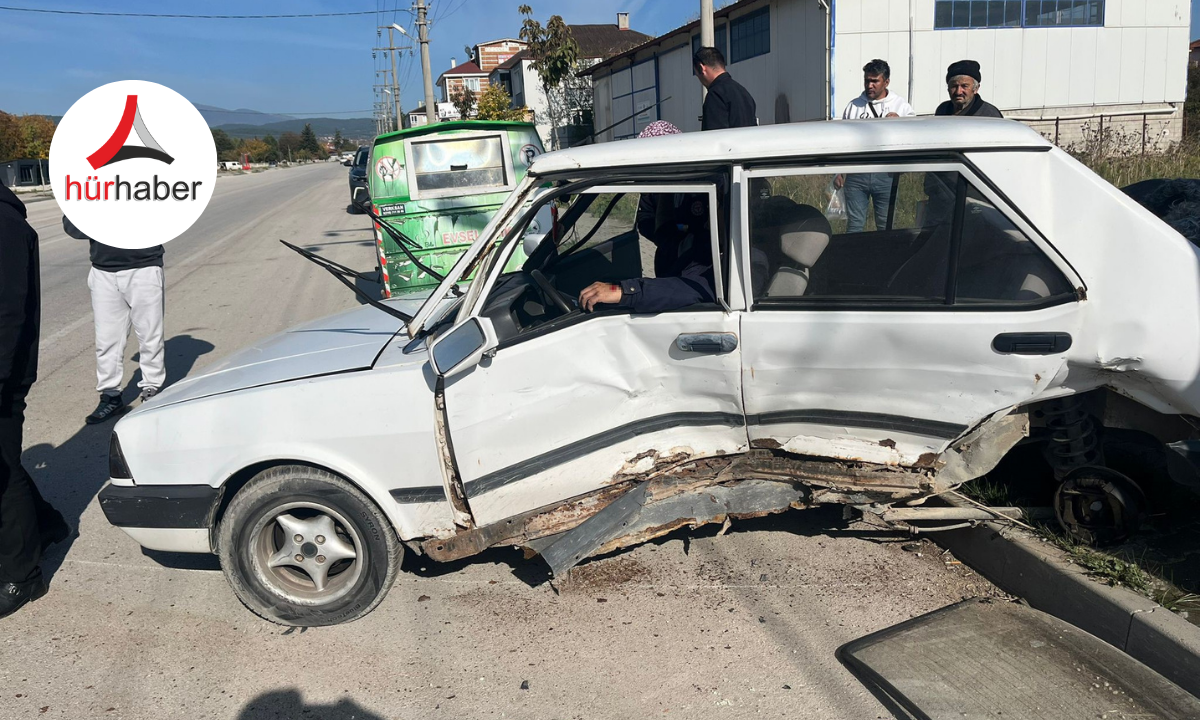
(692, 626)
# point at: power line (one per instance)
(47, 11)
(304, 114)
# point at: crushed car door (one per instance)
(885, 344)
(585, 400)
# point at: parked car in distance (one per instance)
(1009, 297)
(358, 176)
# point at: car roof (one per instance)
(836, 137)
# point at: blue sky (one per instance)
(306, 66)
(300, 66)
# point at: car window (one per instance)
(360, 159)
(600, 237)
(469, 164)
(889, 238)
(999, 263)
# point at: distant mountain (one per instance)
(351, 128)
(216, 116)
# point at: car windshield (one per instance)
(360, 160)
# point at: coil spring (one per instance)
(1073, 440)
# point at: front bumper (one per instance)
(173, 518)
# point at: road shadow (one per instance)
(71, 474)
(287, 704)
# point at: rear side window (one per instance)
(897, 238)
(450, 166)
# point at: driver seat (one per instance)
(802, 239)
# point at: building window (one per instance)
(1048, 13)
(719, 36)
(473, 84)
(750, 35)
(26, 174)
(959, 14)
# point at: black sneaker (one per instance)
(14, 596)
(147, 393)
(110, 406)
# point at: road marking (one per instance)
(63, 332)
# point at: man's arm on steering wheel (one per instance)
(650, 295)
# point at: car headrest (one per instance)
(805, 236)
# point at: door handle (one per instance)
(1046, 343)
(707, 343)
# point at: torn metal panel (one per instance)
(981, 450)
(450, 479)
(716, 504)
(589, 535)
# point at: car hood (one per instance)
(339, 343)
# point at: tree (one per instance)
(464, 102)
(495, 104)
(25, 136)
(226, 148)
(337, 139)
(308, 142)
(256, 149)
(289, 144)
(555, 56)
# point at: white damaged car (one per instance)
(1001, 293)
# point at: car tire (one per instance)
(291, 525)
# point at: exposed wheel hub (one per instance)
(1098, 505)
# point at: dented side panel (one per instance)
(587, 405)
(889, 387)
(1141, 328)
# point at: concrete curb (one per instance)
(1040, 573)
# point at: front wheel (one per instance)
(301, 546)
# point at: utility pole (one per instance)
(707, 38)
(423, 36)
(395, 81)
(391, 51)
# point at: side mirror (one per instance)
(462, 347)
(531, 241)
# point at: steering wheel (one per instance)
(552, 294)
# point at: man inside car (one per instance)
(690, 281)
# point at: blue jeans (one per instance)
(861, 188)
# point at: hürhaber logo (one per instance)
(133, 164)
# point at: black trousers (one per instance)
(24, 514)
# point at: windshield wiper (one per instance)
(341, 272)
(403, 241)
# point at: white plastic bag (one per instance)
(836, 208)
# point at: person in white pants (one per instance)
(127, 291)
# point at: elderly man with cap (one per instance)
(962, 82)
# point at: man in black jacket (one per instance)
(28, 523)
(962, 83)
(728, 104)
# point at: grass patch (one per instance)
(986, 491)
(1126, 168)
(1112, 569)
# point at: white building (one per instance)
(1064, 66)
(445, 111)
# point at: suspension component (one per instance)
(1073, 439)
